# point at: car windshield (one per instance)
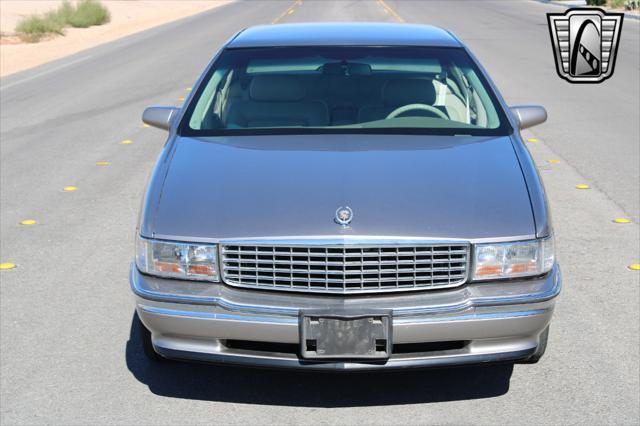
(344, 90)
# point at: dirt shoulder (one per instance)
(127, 17)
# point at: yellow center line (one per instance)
(390, 10)
(289, 11)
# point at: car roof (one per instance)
(344, 34)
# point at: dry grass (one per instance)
(82, 15)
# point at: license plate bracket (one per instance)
(345, 336)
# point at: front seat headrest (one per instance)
(276, 88)
(408, 91)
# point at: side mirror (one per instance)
(159, 116)
(529, 115)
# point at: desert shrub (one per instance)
(82, 15)
(88, 13)
(64, 11)
(32, 28)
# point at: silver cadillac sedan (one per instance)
(345, 197)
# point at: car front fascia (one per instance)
(192, 320)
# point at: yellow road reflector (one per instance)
(28, 222)
(290, 12)
(532, 140)
(7, 265)
(583, 186)
(181, 98)
(145, 125)
(126, 142)
(634, 267)
(621, 220)
(553, 161)
(102, 163)
(188, 89)
(69, 189)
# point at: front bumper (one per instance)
(488, 322)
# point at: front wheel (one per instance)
(540, 350)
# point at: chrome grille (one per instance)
(345, 269)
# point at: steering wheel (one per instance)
(422, 107)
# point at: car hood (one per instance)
(290, 186)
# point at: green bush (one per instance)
(85, 14)
(64, 11)
(88, 13)
(32, 28)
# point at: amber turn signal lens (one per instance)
(201, 270)
(488, 270)
(168, 267)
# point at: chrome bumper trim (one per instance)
(472, 302)
(202, 300)
(278, 320)
(214, 315)
(472, 317)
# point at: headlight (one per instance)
(510, 260)
(177, 260)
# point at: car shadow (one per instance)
(313, 389)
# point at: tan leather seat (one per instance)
(276, 101)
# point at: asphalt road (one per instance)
(68, 354)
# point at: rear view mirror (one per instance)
(346, 69)
(529, 115)
(160, 116)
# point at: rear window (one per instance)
(344, 90)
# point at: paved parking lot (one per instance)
(68, 353)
